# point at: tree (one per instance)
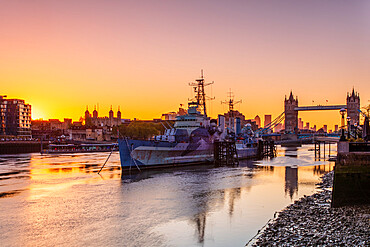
(139, 130)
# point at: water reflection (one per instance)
(200, 221)
(234, 194)
(291, 181)
(23, 172)
(44, 196)
(320, 170)
(291, 152)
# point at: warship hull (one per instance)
(154, 154)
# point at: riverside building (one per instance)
(15, 117)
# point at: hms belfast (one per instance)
(190, 141)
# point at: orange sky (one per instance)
(63, 55)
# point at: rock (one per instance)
(311, 221)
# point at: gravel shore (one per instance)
(311, 221)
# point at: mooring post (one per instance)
(41, 144)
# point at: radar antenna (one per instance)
(200, 95)
(231, 102)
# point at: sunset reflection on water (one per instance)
(45, 198)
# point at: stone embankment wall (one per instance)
(351, 179)
(18, 147)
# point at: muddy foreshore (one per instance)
(311, 221)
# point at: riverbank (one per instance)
(19, 147)
(311, 221)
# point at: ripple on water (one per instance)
(46, 198)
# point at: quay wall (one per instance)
(351, 184)
(18, 147)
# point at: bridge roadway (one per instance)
(320, 107)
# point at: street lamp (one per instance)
(342, 112)
(355, 130)
(348, 127)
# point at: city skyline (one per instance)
(62, 56)
(302, 125)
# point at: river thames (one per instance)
(60, 200)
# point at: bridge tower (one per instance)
(353, 105)
(291, 115)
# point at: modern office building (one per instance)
(300, 123)
(257, 119)
(267, 120)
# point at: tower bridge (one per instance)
(320, 107)
(291, 110)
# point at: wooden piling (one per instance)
(225, 153)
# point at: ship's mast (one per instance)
(200, 97)
(231, 102)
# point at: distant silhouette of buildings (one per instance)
(97, 121)
(234, 114)
(267, 120)
(95, 128)
(300, 123)
(257, 119)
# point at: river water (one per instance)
(49, 200)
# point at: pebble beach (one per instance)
(310, 221)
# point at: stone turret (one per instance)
(291, 115)
(111, 114)
(111, 117)
(353, 105)
(95, 113)
(87, 113)
(118, 116)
